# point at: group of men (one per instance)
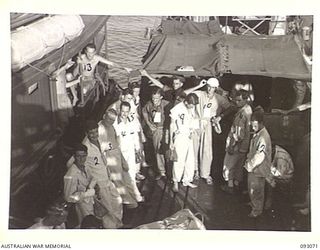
(103, 173)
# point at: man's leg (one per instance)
(189, 165)
(206, 153)
(157, 138)
(178, 167)
(256, 193)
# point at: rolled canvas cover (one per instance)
(26, 48)
(72, 25)
(32, 42)
(52, 33)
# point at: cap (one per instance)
(213, 82)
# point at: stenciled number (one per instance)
(96, 161)
(181, 118)
(88, 67)
(208, 105)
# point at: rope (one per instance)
(34, 67)
(62, 54)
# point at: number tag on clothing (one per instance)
(181, 116)
(206, 110)
(157, 117)
(96, 161)
(87, 67)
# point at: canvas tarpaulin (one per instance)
(273, 56)
(189, 27)
(212, 55)
(169, 52)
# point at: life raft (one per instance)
(30, 43)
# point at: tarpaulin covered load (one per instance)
(273, 56)
(183, 220)
(189, 27)
(212, 55)
(188, 54)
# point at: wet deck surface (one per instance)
(219, 211)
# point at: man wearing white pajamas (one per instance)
(181, 130)
(127, 131)
(211, 105)
(127, 96)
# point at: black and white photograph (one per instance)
(139, 124)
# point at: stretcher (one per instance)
(182, 220)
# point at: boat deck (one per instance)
(218, 210)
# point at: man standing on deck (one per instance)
(118, 166)
(237, 143)
(212, 107)
(258, 163)
(181, 140)
(127, 96)
(154, 115)
(127, 131)
(97, 164)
